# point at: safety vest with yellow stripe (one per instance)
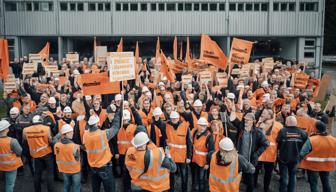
(224, 178)
(176, 140)
(9, 161)
(156, 178)
(200, 150)
(38, 140)
(323, 154)
(65, 158)
(125, 137)
(97, 148)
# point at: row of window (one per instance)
(106, 6)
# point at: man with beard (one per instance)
(285, 112)
(146, 112)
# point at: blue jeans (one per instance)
(288, 177)
(10, 177)
(72, 180)
(103, 174)
(313, 180)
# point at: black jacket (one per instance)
(290, 141)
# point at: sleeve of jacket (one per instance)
(262, 142)
(169, 164)
(111, 132)
(306, 149)
(137, 116)
(189, 144)
(211, 148)
(244, 165)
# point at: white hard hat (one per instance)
(118, 97)
(202, 121)
(174, 115)
(88, 97)
(94, 119)
(266, 97)
(14, 110)
(67, 109)
(161, 84)
(140, 139)
(264, 84)
(66, 129)
(37, 119)
(226, 144)
(164, 78)
(75, 72)
(157, 111)
(198, 103)
(52, 100)
(126, 115)
(4, 124)
(231, 96)
(144, 89)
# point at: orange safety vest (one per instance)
(307, 124)
(97, 148)
(200, 150)
(38, 140)
(61, 122)
(51, 115)
(224, 178)
(217, 137)
(65, 159)
(270, 154)
(82, 125)
(156, 178)
(195, 119)
(146, 119)
(9, 161)
(102, 117)
(125, 137)
(176, 140)
(323, 154)
(158, 134)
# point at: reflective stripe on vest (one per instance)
(319, 159)
(123, 142)
(5, 155)
(8, 162)
(272, 144)
(177, 146)
(39, 149)
(201, 153)
(157, 178)
(103, 145)
(66, 162)
(231, 178)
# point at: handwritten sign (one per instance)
(36, 58)
(205, 77)
(187, 79)
(10, 84)
(72, 57)
(121, 66)
(29, 68)
(52, 70)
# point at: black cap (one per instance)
(320, 126)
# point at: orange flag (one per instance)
(212, 53)
(157, 53)
(4, 59)
(187, 57)
(240, 51)
(45, 53)
(181, 57)
(97, 83)
(175, 48)
(165, 68)
(120, 46)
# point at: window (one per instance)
(205, 7)
(80, 7)
(180, 6)
(10, 6)
(143, 6)
(91, 6)
(153, 6)
(264, 7)
(311, 7)
(240, 6)
(107, 6)
(36, 6)
(72, 6)
(64, 6)
(283, 6)
(196, 6)
(125, 6)
(134, 7)
(310, 43)
(232, 6)
(118, 6)
(29, 7)
(100, 7)
(222, 6)
(248, 7)
(187, 6)
(161, 6)
(302, 6)
(309, 55)
(275, 6)
(46, 6)
(256, 7)
(171, 7)
(291, 7)
(213, 6)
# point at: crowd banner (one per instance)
(121, 66)
(98, 83)
(10, 84)
(44, 53)
(211, 53)
(301, 80)
(72, 57)
(29, 68)
(165, 68)
(240, 51)
(4, 59)
(52, 70)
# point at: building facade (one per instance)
(291, 29)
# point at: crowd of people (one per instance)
(155, 131)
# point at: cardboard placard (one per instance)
(256, 68)
(245, 71)
(93, 84)
(10, 84)
(235, 71)
(268, 67)
(267, 60)
(325, 85)
(205, 77)
(36, 58)
(52, 69)
(121, 66)
(72, 57)
(42, 87)
(101, 54)
(29, 68)
(187, 79)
